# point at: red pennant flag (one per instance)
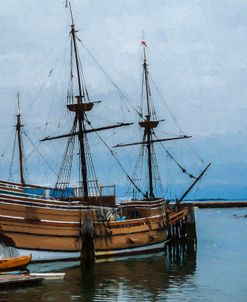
(144, 43)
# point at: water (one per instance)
(215, 271)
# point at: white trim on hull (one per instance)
(50, 256)
(42, 256)
(129, 251)
(38, 256)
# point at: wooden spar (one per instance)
(146, 81)
(18, 129)
(153, 141)
(193, 184)
(148, 130)
(80, 115)
(86, 131)
(150, 168)
(86, 228)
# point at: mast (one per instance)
(80, 108)
(148, 126)
(18, 129)
(80, 114)
(149, 122)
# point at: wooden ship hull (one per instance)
(86, 224)
(52, 230)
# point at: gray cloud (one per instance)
(197, 56)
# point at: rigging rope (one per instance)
(37, 150)
(12, 158)
(123, 97)
(121, 94)
(173, 117)
(26, 173)
(157, 177)
(139, 164)
(117, 160)
(49, 74)
(173, 158)
(109, 136)
(63, 177)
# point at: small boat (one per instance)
(13, 263)
(19, 281)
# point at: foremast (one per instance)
(149, 122)
(20, 145)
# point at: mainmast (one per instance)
(79, 129)
(148, 125)
(18, 129)
(79, 110)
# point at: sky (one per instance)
(197, 59)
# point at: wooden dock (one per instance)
(9, 281)
(219, 204)
(186, 229)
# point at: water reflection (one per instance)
(146, 277)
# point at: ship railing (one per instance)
(107, 190)
(94, 191)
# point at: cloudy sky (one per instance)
(197, 59)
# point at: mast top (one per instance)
(18, 115)
(71, 15)
(144, 45)
(80, 107)
(18, 104)
(83, 103)
(148, 122)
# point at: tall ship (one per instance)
(70, 223)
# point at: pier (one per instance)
(186, 228)
(218, 204)
(9, 281)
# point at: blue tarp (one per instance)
(67, 192)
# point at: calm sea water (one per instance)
(215, 271)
